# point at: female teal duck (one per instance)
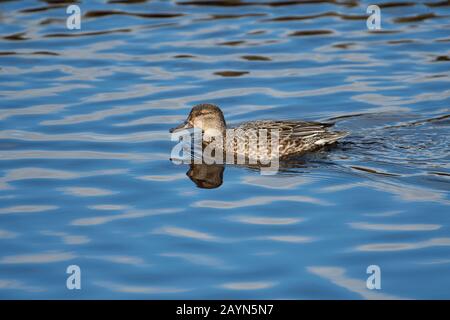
(295, 137)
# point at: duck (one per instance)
(296, 137)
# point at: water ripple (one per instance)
(255, 201)
(259, 285)
(265, 220)
(185, 233)
(85, 148)
(384, 247)
(50, 257)
(394, 227)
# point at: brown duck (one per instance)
(295, 137)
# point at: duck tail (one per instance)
(327, 124)
(331, 137)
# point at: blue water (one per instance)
(85, 176)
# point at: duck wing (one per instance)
(297, 136)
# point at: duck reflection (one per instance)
(210, 176)
(206, 176)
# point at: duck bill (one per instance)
(185, 125)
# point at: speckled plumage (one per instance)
(294, 137)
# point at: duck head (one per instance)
(207, 117)
(206, 176)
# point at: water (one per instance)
(85, 176)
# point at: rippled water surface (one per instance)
(85, 176)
